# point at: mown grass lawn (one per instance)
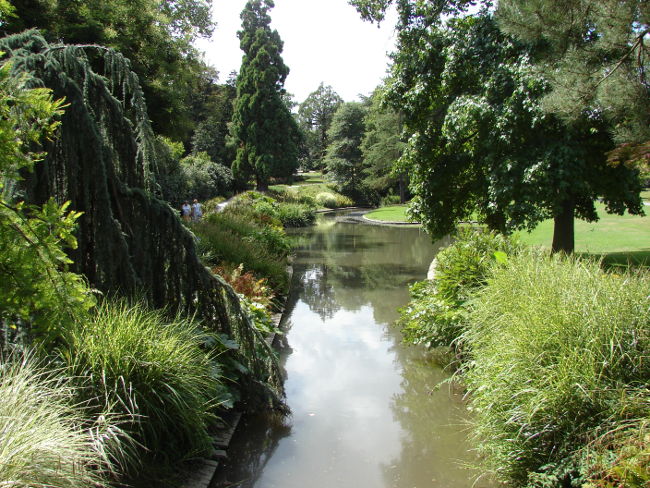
(393, 213)
(617, 238)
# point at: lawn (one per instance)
(618, 238)
(393, 213)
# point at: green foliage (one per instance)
(44, 439)
(436, 315)
(205, 179)
(344, 159)
(155, 36)
(480, 140)
(382, 146)
(152, 370)
(263, 130)
(558, 357)
(595, 55)
(315, 116)
(129, 242)
(235, 237)
(38, 293)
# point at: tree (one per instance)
(156, 36)
(211, 134)
(480, 139)
(344, 159)
(595, 55)
(314, 118)
(264, 131)
(128, 241)
(382, 146)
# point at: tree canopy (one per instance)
(480, 139)
(263, 130)
(155, 35)
(595, 55)
(315, 116)
(344, 159)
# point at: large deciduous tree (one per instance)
(315, 116)
(264, 131)
(155, 35)
(481, 141)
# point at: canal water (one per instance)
(367, 411)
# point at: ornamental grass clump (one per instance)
(42, 439)
(436, 315)
(153, 371)
(558, 357)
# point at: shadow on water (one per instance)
(367, 410)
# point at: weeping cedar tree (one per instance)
(481, 141)
(129, 242)
(263, 130)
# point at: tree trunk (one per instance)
(563, 229)
(262, 185)
(402, 196)
(496, 222)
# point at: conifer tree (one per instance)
(263, 130)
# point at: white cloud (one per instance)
(324, 40)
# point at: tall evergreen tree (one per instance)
(264, 131)
(344, 159)
(315, 116)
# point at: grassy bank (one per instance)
(393, 213)
(553, 352)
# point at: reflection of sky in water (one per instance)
(366, 411)
(341, 375)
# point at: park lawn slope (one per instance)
(393, 213)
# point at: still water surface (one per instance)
(366, 410)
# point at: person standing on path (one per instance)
(197, 213)
(186, 211)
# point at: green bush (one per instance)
(326, 199)
(559, 356)
(43, 441)
(231, 237)
(138, 363)
(436, 314)
(295, 214)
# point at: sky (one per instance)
(324, 41)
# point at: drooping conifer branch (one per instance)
(103, 162)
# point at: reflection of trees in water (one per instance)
(314, 288)
(425, 413)
(255, 441)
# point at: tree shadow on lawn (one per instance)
(623, 259)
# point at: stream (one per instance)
(367, 411)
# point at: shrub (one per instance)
(559, 353)
(43, 442)
(436, 314)
(326, 199)
(138, 363)
(390, 199)
(230, 237)
(245, 283)
(295, 214)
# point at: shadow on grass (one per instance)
(640, 258)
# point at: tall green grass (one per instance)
(43, 442)
(151, 370)
(234, 237)
(559, 357)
